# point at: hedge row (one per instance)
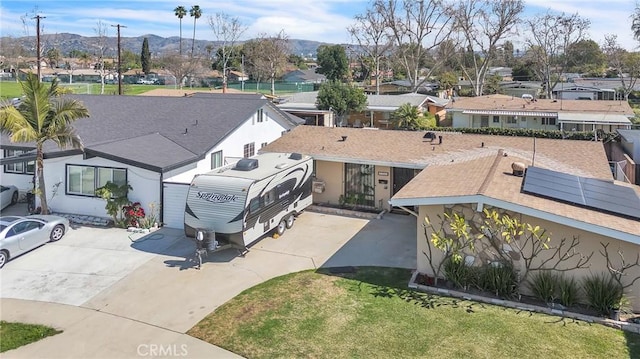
(526, 132)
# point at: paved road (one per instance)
(118, 298)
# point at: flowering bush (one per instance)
(133, 214)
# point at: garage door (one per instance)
(175, 197)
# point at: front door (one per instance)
(401, 176)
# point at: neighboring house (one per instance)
(236, 76)
(402, 87)
(573, 91)
(156, 144)
(304, 76)
(607, 83)
(625, 156)
(504, 72)
(471, 184)
(514, 112)
(519, 88)
(374, 164)
(378, 112)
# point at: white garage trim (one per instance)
(174, 200)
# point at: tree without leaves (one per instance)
(100, 43)
(196, 13)
(180, 12)
(370, 34)
(226, 31)
(181, 68)
(622, 62)
(145, 57)
(482, 24)
(416, 28)
(551, 35)
(267, 56)
(340, 98)
(42, 116)
(333, 62)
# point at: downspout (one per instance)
(161, 214)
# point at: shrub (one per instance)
(500, 279)
(603, 293)
(568, 291)
(133, 214)
(544, 285)
(461, 275)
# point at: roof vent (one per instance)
(295, 156)
(246, 164)
(429, 135)
(344, 138)
(518, 168)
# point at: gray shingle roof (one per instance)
(161, 133)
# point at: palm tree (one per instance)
(406, 117)
(180, 12)
(43, 115)
(195, 12)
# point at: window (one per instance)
(83, 180)
(260, 115)
(20, 167)
(548, 121)
(216, 159)
(269, 197)
(512, 119)
(249, 149)
(496, 119)
(263, 144)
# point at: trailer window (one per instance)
(254, 205)
(270, 197)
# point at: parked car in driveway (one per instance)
(8, 196)
(19, 235)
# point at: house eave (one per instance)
(484, 200)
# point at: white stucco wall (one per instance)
(21, 181)
(233, 145)
(145, 184)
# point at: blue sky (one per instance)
(321, 20)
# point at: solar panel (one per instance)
(588, 192)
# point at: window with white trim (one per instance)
(84, 180)
(512, 119)
(263, 144)
(249, 149)
(27, 168)
(216, 159)
(260, 115)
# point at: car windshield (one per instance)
(9, 219)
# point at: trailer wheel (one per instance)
(290, 220)
(282, 226)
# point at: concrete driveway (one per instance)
(149, 282)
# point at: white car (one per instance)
(8, 196)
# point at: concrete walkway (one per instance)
(147, 312)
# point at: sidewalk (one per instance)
(111, 336)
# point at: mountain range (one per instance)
(158, 45)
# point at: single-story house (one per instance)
(156, 144)
(515, 112)
(309, 76)
(378, 112)
(470, 185)
(519, 88)
(573, 91)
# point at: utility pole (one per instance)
(119, 61)
(38, 54)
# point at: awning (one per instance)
(511, 113)
(593, 118)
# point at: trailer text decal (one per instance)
(217, 197)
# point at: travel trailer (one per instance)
(238, 204)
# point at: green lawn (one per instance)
(14, 335)
(370, 314)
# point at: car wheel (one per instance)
(4, 258)
(290, 220)
(282, 226)
(57, 233)
(14, 198)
